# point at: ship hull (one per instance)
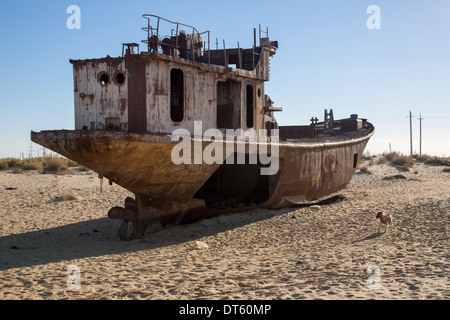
(179, 193)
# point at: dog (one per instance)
(386, 219)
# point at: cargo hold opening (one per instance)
(235, 185)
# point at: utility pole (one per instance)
(410, 131)
(420, 121)
(30, 151)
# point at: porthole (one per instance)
(120, 78)
(103, 78)
(259, 93)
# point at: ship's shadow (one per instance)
(99, 237)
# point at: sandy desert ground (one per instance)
(318, 252)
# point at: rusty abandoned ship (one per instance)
(127, 108)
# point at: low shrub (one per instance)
(395, 158)
(403, 161)
(3, 165)
(14, 163)
(66, 197)
(33, 164)
(396, 177)
(365, 169)
(56, 166)
(433, 160)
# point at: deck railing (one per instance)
(184, 45)
(187, 42)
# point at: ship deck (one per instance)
(331, 135)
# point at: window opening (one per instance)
(250, 105)
(355, 160)
(176, 95)
(229, 104)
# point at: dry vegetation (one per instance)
(401, 162)
(395, 177)
(433, 160)
(55, 165)
(365, 169)
(66, 197)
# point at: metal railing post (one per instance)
(225, 54)
(209, 51)
(157, 36)
(148, 36)
(176, 40)
(239, 56)
(193, 44)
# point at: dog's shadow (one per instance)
(372, 236)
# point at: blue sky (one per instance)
(327, 58)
